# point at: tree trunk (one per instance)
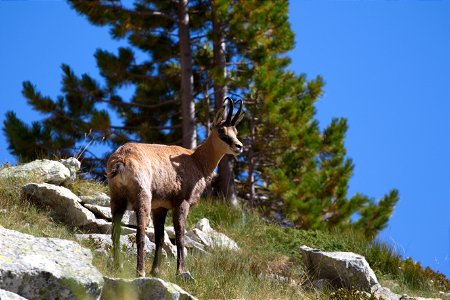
(251, 163)
(226, 184)
(187, 99)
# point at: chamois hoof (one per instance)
(186, 276)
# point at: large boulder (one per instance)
(45, 170)
(65, 207)
(202, 233)
(46, 268)
(143, 288)
(342, 269)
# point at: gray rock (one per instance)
(322, 284)
(65, 207)
(100, 199)
(170, 248)
(143, 288)
(384, 293)
(103, 243)
(171, 232)
(49, 171)
(343, 269)
(46, 268)
(128, 219)
(406, 297)
(194, 246)
(204, 234)
(73, 165)
(189, 243)
(6, 295)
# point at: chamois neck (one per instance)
(207, 156)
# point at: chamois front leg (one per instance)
(142, 214)
(179, 220)
(158, 217)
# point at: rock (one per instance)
(322, 284)
(204, 234)
(46, 268)
(5, 295)
(194, 246)
(65, 207)
(406, 297)
(170, 232)
(143, 288)
(103, 243)
(384, 293)
(170, 248)
(100, 199)
(189, 243)
(48, 171)
(128, 219)
(100, 211)
(343, 269)
(73, 165)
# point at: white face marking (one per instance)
(229, 140)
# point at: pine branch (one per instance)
(120, 9)
(149, 127)
(128, 104)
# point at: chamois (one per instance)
(156, 178)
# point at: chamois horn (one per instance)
(228, 101)
(237, 117)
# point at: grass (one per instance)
(267, 252)
(19, 214)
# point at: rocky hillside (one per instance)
(55, 244)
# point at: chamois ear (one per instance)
(219, 118)
(223, 116)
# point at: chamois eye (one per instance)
(221, 130)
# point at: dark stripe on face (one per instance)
(228, 140)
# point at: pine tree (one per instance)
(198, 52)
(303, 167)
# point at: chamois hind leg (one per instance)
(158, 217)
(142, 214)
(179, 220)
(118, 207)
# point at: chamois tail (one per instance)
(116, 169)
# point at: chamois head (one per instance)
(224, 127)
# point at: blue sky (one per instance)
(387, 70)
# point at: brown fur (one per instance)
(155, 178)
